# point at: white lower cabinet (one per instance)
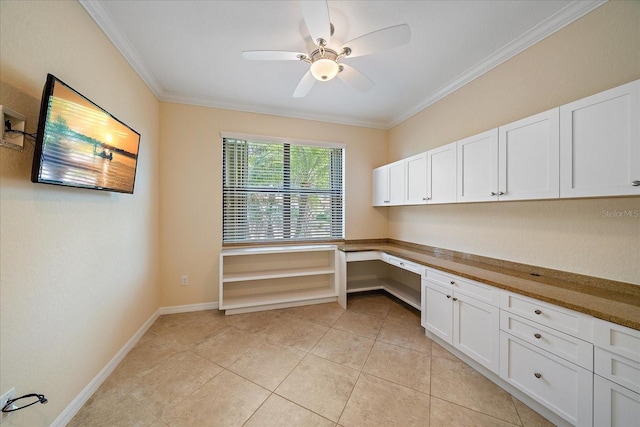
(546, 351)
(584, 370)
(614, 405)
(462, 321)
(617, 380)
(563, 387)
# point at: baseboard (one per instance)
(494, 378)
(188, 308)
(77, 403)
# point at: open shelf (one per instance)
(399, 290)
(261, 278)
(232, 303)
(275, 274)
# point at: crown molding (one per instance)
(562, 18)
(179, 98)
(112, 30)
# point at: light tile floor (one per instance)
(319, 365)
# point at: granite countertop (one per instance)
(617, 302)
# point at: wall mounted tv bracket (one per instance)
(13, 126)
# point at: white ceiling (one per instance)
(190, 51)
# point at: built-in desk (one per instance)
(617, 302)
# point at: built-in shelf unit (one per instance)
(263, 278)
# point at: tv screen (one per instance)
(79, 144)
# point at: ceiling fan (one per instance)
(326, 62)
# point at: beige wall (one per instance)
(81, 271)
(191, 164)
(595, 53)
(78, 268)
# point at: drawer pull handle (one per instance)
(448, 296)
(537, 375)
(455, 299)
(635, 183)
(453, 283)
(402, 264)
(538, 336)
(538, 312)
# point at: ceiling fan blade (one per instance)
(272, 55)
(355, 78)
(316, 16)
(304, 86)
(376, 41)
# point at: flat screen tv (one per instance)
(79, 144)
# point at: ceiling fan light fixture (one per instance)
(324, 69)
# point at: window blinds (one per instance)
(281, 192)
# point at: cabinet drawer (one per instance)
(565, 346)
(615, 405)
(618, 369)
(480, 291)
(571, 322)
(407, 265)
(363, 256)
(561, 386)
(617, 339)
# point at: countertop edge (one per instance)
(590, 304)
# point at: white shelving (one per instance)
(399, 290)
(260, 278)
(372, 270)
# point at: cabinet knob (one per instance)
(537, 375)
(453, 283)
(455, 299)
(448, 296)
(636, 183)
(493, 193)
(386, 201)
(538, 312)
(426, 198)
(538, 336)
(501, 193)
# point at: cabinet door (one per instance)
(478, 167)
(416, 184)
(529, 152)
(614, 405)
(561, 386)
(600, 144)
(441, 174)
(476, 330)
(381, 186)
(396, 183)
(438, 306)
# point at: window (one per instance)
(281, 191)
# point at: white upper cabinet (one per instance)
(416, 185)
(478, 167)
(389, 184)
(441, 174)
(528, 166)
(600, 144)
(396, 183)
(381, 186)
(588, 148)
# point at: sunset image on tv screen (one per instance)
(83, 146)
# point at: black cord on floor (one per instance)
(10, 402)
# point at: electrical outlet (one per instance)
(11, 394)
(185, 280)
